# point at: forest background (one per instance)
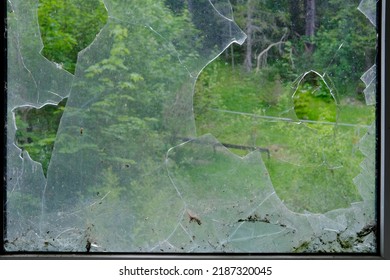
(285, 41)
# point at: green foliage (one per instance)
(110, 186)
(68, 26)
(313, 100)
(177, 6)
(284, 65)
(345, 45)
(311, 166)
(36, 132)
(207, 84)
(219, 86)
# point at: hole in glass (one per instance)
(37, 130)
(67, 27)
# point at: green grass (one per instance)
(311, 166)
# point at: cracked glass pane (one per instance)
(169, 137)
(368, 8)
(369, 79)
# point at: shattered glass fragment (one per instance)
(32, 81)
(304, 154)
(368, 8)
(224, 7)
(129, 173)
(242, 213)
(369, 79)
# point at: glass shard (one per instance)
(368, 8)
(369, 79)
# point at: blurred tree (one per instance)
(264, 23)
(310, 20)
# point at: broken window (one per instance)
(138, 160)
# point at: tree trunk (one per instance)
(297, 17)
(249, 31)
(310, 24)
(231, 47)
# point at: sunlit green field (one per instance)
(312, 166)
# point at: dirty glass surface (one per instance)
(130, 171)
